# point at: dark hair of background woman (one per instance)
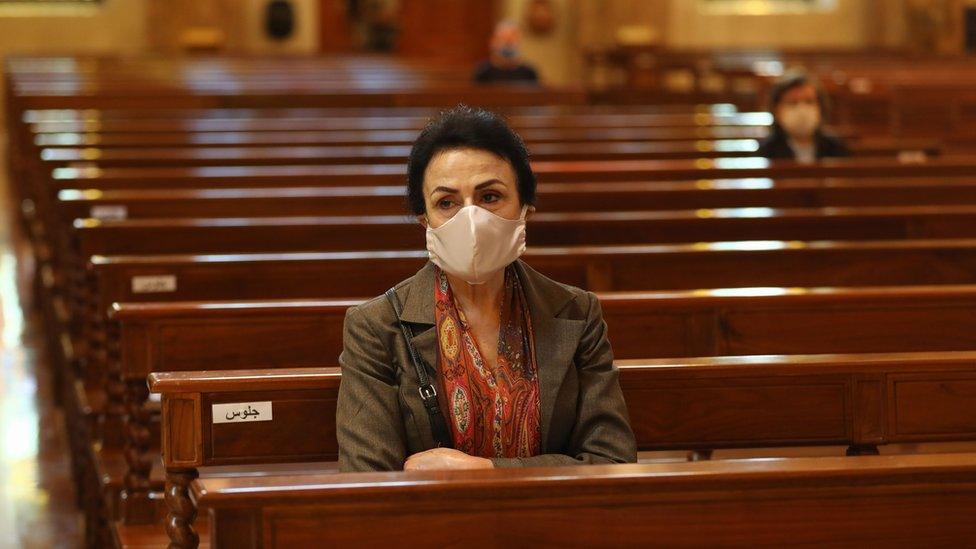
(467, 128)
(792, 80)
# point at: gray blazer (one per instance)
(381, 421)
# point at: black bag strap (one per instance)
(428, 393)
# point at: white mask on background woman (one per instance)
(800, 121)
(475, 243)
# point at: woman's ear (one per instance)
(529, 211)
(422, 219)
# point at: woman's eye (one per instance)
(445, 203)
(491, 197)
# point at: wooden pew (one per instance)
(860, 400)
(698, 404)
(583, 124)
(916, 500)
(621, 152)
(616, 195)
(313, 94)
(71, 115)
(198, 235)
(395, 122)
(46, 136)
(134, 237)
(299, 112)
(161, 337)
(395, 154)
(548, 172)
(552, 197)
(44, 193)
(190, 335)
(217, 239)
(130, 87)
(304, 275)
(499, 91)
(55, 160)
(547, 128)
(338, 233)
(602, 268)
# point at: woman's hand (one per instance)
(445, 458)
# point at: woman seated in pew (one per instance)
(517, 368)
(798, 105)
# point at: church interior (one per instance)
(771, 203)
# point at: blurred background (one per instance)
(569, 40)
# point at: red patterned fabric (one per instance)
(493, 412)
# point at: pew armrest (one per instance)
(276, 379)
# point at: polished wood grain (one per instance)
(820, 501)
(603, 268)
(202, 235)
(554, 197)
(700, 404)
(396, 154)
(33, 116)
(548, 172)
(667, 324)
(337, 275)
(198, 335)
(395, 120)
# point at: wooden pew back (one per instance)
(912, 499)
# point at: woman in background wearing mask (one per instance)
(505, 65)
(507, 368)
(798, 104)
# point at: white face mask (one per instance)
(800, 120)
(475, 243)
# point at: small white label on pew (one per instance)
(912, 157)
(153, 284)
(109, 212)
(240, 412)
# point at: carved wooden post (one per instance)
(181, 455)
(870, 424)
(93, 334)
(114, 387)
(182, 512)
(137, 507)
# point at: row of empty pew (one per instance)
(200, 229)
(897, 92)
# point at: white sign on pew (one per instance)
(109, 212)
(153, 284)
(240, 412)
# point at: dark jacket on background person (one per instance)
(777, 146)
(487, 73)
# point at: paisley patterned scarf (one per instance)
(493, 411)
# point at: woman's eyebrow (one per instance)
(443, 189)
(488, 183)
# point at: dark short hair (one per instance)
(467, 128)
(792, 80)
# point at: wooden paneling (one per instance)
(453, 30)
(335, 33)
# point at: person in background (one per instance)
(504, 64)
(798, 106)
